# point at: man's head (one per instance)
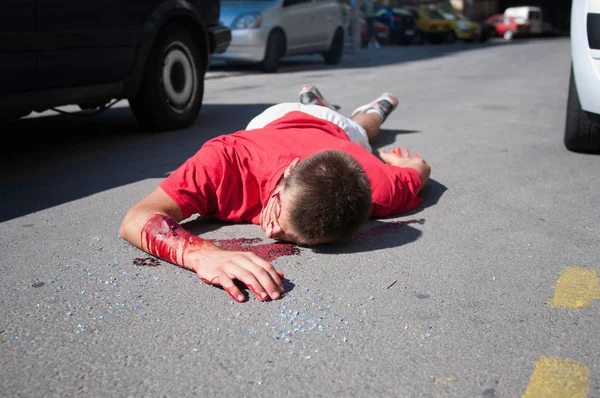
(324, 198)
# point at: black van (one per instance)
(154, 53)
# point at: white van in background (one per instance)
(530, 17)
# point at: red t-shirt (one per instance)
(231, 176)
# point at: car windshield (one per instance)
(447, 15)
(401, 11)
(433, 14)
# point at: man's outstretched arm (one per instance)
(153, 226)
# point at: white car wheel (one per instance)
(581, 134)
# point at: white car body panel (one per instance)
(586, 62)
(309, 28)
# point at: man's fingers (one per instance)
(227, 283)
(275, 276)
(416, 155)
(406, 153)
(264, 280)
(268, 281)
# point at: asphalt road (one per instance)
(456, 299)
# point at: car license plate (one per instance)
(381, 35)
(409, 32)
(440, 27)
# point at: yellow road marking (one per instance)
(576, 288)
(558, 378)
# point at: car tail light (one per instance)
(397, 19)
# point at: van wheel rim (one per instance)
(178, 77)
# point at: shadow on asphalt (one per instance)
(387, 137)
(381, 234)
(386, 55)
(375, 235)
(431, 194)
(58, 159)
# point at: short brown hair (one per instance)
(331, 197)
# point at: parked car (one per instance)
(400, 21)
(153, 53)
(505, 27)
(462, 27)
(382, 32)
(530, 18)
(582, 128)
(432, 26)
(264, 31)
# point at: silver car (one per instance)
(263, 31)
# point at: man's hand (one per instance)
(153, 226)
(220, 267)
(399, 158)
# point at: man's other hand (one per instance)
(401, 158)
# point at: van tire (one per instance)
(274, 52)
(581, 135)
(334, 55)
(170, 99)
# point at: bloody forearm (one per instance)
(165, 238)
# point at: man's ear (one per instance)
(289, 169)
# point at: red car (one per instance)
(507, 27)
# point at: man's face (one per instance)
(274, 217)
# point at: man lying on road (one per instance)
(302, 171)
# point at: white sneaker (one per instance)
(310, 95)
(382, 105)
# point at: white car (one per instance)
(582, 129)
(264, 31)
